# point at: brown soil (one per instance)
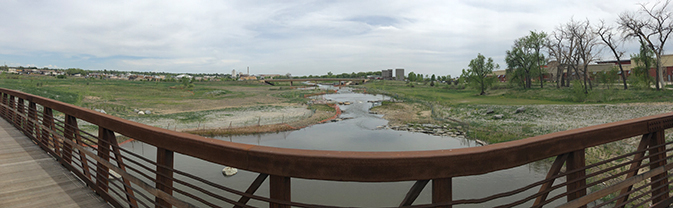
(403, 113)
(316, 118)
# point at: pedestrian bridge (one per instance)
(637, 176)
(339, 80)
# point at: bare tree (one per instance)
(556, 49)
(608, 36)
(577, 46)
(586, 48)
(570, 48)
(653, 25)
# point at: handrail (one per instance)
(437, 165)
(364, 166)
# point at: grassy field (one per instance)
(173, 105)
(121, 97)
(502, 94)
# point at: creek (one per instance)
(359, 133)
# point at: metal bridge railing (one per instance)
(638, 176)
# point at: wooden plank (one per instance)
(442, 190)
(31, 178)
(130, 196)
(553, 171)
(576, 161)
(593, 196)
(253, 188)
(164, 176)
(658, 159)
(414, 192)
(280, 189)
(634, 167)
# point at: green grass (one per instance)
(445, 96)
(120, 97)
(506, 95)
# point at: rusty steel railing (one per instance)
(635, 177)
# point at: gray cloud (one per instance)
(300, 37)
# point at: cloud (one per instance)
(299, 37)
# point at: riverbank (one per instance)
(318, 116)
(242, 120)
(491, 117)
(500, 123)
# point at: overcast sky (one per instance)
(297, 37)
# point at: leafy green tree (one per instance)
(644, 61)
(478, 73)
(432, 80)
(525, 58)
(608, 77)
(411, 77)
(73, 71)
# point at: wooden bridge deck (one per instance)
(29, 177)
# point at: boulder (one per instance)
(520, 110)
(490, 111)
(499, 116)
(148, 112)
(141, 113)
(229, 171)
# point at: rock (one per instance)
(148, 112)
(136, 110)
(520, 110)
(229, 171)
(499, 116)
(102, 111)
(490, 111)
(482, 143)
(141, 113)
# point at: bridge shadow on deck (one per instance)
(29, 177)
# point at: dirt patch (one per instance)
(403, 113)
(91, 98)
(317, 117)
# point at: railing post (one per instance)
(48, 123)
(657, 154)
(279, 187)
(20, 116)
(72, 131)
(69, 134)
(102, 173)
(633, 169)
(164, 174)
(3, 108)
(12, 106)
(32, 119)
(442, 190)
(576, 161)
(130, 196)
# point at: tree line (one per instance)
(572, 46)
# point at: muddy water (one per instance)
(358, 132)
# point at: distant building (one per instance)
(387, 74)
(245, 77)
(399, 74)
